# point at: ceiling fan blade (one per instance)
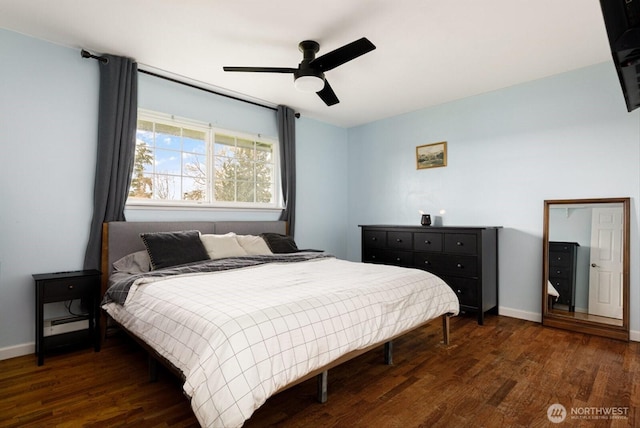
(327, 95)
(341, 55)
(261, 69)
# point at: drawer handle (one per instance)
(459, 244)
(397, 259)
(459, 266)
(459, 291)
(398, 240)
(427, 262)
(70, 286)
(374, 239)
(427, 242)
(558, 272)
(373, 257)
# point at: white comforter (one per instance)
(239, 336)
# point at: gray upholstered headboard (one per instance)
(120, 238)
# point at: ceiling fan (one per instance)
(309, 76)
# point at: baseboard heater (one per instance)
(65, 324)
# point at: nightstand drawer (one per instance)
(462, 243)
(68, 289)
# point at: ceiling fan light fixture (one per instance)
(309, 83)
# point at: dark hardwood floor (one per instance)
(503, 374)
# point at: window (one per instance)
(186, 163)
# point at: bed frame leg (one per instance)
(322, 386)
(388, 353)
(445, 328)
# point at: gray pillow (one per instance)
(168, 249)
(133, 263)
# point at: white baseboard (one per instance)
(17, 351)
(517, 313)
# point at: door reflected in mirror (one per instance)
(586, 265)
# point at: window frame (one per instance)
(210, 132)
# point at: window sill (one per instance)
(150, 206)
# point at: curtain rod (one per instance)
(105, 60)
(211, 91)
(87, 54)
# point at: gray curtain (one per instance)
(118, 111)
(287, 136)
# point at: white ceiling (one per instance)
(428, 52)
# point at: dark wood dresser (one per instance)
(562, 271)
(466, 258)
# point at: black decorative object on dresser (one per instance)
(562, 272)
(466, 258)
(73, 329)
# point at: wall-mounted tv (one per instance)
(622, 20)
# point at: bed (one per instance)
(240, 326)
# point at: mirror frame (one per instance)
(580, 325)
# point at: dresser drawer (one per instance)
(374, 238)
(399, 258)
(560, 271)
(433, 262)
(373, 255)
(561, 247)
(465, 289)
(427, 241)
(564, 288)
(400, 240)
(458, 265)
(461, 243)
(68, 289)
(557, 258)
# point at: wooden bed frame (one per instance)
(122, 238)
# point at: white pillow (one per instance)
(254, 245)
(220, 246)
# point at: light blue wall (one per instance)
(48, 128)
(321, 191)
(567, 136)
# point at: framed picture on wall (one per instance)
(431, 155)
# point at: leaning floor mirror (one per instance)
(586, 266)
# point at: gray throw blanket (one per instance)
(120, 283)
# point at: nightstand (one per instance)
(72, 330)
